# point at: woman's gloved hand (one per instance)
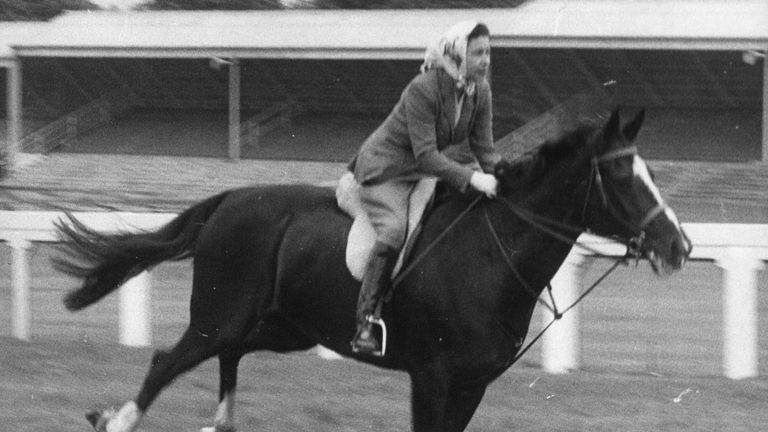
(485, 183)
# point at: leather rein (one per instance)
(544, 224)
(555, 229)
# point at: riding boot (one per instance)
(377, 281)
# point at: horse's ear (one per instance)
(612, 126)
(631, 129)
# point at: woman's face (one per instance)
(478, 57)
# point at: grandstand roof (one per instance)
(398, 34)
(11, 33)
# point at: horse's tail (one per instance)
(106, 260)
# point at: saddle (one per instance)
(362, 235)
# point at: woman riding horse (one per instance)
(440, 127)
(269, 272)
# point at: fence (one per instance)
(740, 249)
(78, 122)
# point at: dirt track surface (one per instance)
(646, 341)
(48, 386)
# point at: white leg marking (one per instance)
(225, 413)
(126, 419)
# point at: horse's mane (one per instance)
(534, 164)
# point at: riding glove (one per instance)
(485, 183)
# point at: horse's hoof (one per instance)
(99, 418)
(93, 417)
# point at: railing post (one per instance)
(740, 357)
(15, 113)
(234, 109)
(20, 283)
(135, 313)
(560, 344)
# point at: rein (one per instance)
(546, 225)
(633, 244)
(633, 251)
(434, 242)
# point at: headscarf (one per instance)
(450, 52)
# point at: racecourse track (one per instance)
(650, 347)
(651, 352)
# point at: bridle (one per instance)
(596, 180)
(556, 230)
(633, 244)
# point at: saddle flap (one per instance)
(362, 236)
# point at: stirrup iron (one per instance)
(379, 322)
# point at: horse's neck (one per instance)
(539, 242)
(559, 196)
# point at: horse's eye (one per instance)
(622, 171)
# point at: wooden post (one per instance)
(135, 311)
(560, 344)
(765, 106)
(740, 355)
(234, 109)
(15, 118)
(20, 283)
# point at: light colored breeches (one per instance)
(387, 207)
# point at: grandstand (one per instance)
(131, 109)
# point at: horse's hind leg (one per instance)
(273, 333)
(191, 350)
(224, 420)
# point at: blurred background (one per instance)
(114, 117)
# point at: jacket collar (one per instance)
(448, 98)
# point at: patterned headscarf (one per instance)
(450, 52)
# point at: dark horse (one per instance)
(269, 272)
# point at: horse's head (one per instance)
(621, 199)
(595, 172)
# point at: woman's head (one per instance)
(464, 51)
(478, 55)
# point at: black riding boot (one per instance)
(376, 282)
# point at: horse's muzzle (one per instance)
(668, 253)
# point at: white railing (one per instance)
(740, 249)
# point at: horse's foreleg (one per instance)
(461, 405)
(429, 393)
(224, 420)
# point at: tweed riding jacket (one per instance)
(419, 138)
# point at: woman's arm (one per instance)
(421, 110)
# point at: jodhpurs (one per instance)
(387, 207)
